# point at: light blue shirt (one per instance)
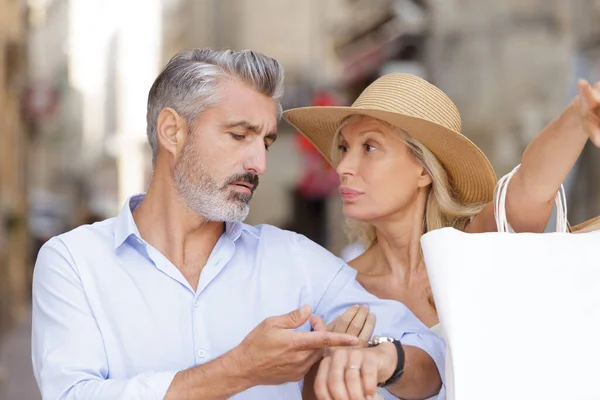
(113, 318)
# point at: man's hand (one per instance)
(273, 353)
(353, 374)
(588, 104)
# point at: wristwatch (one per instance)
(376, 341)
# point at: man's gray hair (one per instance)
(189, 83)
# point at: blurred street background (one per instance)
(75, 74)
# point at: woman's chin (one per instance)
(354, 213)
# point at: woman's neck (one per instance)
(398, 247)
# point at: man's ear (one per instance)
(171, 131)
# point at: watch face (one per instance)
(377, 340)
(374, 341)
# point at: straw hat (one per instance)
(422, 110)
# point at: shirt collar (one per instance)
(125, 225)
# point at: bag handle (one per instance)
(500, 205)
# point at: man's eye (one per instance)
(237, 136)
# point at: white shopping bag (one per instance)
(520, 312)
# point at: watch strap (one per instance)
(399, 366)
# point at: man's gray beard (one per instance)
(204, 196)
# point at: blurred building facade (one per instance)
(99, 66)
(508, 66)
(14, 239)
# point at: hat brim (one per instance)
(471, 174)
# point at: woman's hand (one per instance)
(356, 321)
(588, 105)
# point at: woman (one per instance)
(405, 169)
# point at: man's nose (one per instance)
(256, 159)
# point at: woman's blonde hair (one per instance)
(442, 209)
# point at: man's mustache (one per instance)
(247, 177)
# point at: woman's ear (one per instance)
(425, 179)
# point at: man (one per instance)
(175, 298)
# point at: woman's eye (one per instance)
(342, 148)
(369, 148)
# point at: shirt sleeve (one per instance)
(68, 356)
(337, 289)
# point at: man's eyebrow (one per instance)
(243, 124)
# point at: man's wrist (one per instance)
(234, 364)
(220, 378)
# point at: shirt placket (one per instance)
(201, 309)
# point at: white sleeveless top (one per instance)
(446, 393)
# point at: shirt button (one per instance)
(196, 304)
(201, 353)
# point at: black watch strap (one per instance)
(399, 366)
